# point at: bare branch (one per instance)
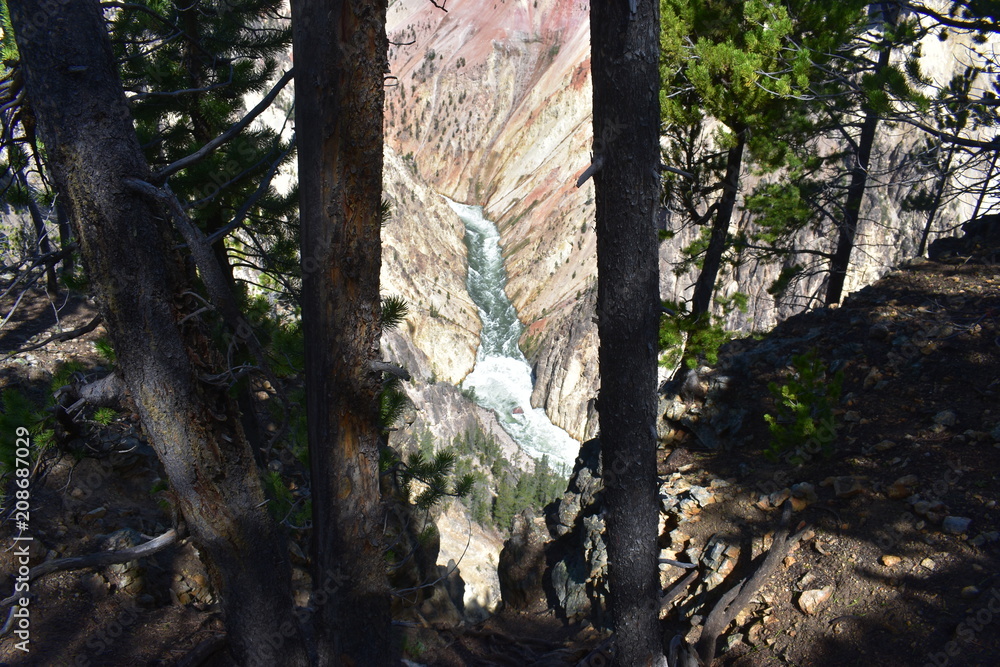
(594, 167)
(393, 369)
(65, 335)
(99, 559)
(162, 175)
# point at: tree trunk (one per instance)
(625, 56)
(704, 288)
(340, 59)
(855, 193)
(65, 238)
(129, 253)
(936, 204)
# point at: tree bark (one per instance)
(65, 238)
(704, 288)
(340, 60)
(128, 250)
(625, 56)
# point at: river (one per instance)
(501, 378)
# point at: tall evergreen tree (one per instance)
(738, 95)
(625, 65)
(163, 349)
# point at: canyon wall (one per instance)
(489, 103)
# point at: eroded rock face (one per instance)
(522, 563)
(491, 106)
(564, 363)
(424, 261)
(472, 558)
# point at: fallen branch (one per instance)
(678, 588)
(99, 559)
(738, 597)
(107, 392)
(62, 336)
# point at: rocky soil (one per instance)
(898, 501)
(896, 566)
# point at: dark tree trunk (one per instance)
(625, 56)
(65, 238)
(936, 204)
(848, 230)
(129, 254)
(340, 61)
(704, 288)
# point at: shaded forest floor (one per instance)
(903, 511)
(903, 507)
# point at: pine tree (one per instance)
(737, 77)
(188, 68)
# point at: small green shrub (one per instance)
(103, 347)
(105, 416)
(804, 409)
(691, 341)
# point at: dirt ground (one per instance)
(918, 441)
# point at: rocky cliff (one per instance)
(489, 103)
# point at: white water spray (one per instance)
(502, 378)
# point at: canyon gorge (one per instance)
(489, 104)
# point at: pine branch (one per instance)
(162, 175)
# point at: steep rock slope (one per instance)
(424, 261)
(490, 104)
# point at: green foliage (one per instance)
(534, 490)
(479, 458)
(392, 403)
(187, 69)
(19, 411)
(384, 212)
(394, 311)
(784, 279)
(105, 416)
(392, 400)
(804, 407)
(103, 347)
(413, 647)
(427, 480)
(694, 341)
(284, 505)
